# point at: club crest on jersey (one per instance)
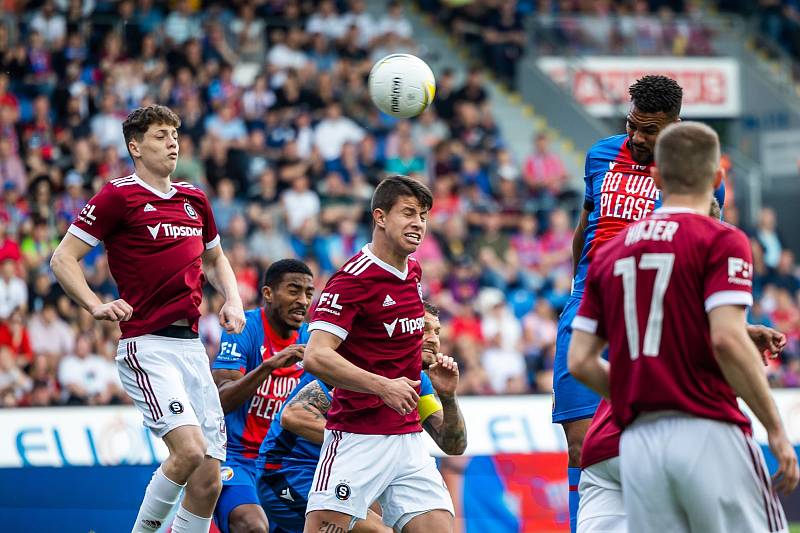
(226, 473)
(189, 210)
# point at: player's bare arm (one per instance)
(741, 365)
(219, 273)
(66, 267)
(236, 388)
(585, 361)
(446, 427)
(306, 413)
(579, 239)
(322, 360)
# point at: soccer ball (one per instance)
(402, 85)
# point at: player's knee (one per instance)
(189, 458)
(248, 524)
(205, 490)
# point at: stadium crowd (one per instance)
(279, 131)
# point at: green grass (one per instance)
(794, 527)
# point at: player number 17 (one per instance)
(626, 267)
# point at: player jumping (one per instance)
(255, 372)
(366, 339)
(290, 452)
(619, 190)
(157, 235)
(670, 294)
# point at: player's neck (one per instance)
(160, 183)
(383, 251)
(700, 204)
(277, 327)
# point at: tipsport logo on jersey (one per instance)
(628, 196)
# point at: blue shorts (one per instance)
(238, 488)
(571, 400)
(284, 495)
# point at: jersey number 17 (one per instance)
(626, 267)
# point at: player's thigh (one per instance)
(372, 524)
(322, 521)
(435, 520)
(204, 396)
(721, 479)
(353, 471)
(283, 496)
(152, 374)
(248, 518)
(601, 508)
(571, 399)
(417, 489)
(649, 501)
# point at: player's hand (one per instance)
(444, 375)
(770, 342)
(786, 477)
(117, 311)
(400, 394)
(231, 317)
(288, 356)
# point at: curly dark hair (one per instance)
(274, 274)
(139, 120)
(656, 93)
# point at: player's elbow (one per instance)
(726, 342)
(312, 361)
(576, 363)
(293, 419)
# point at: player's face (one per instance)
(290, 300)
(158, 150)
(405, 224)
(643, 128)
(430, 340)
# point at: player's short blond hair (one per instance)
(687, 157)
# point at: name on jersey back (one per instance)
(627, 196)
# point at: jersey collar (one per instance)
(384, 265)
(164, 196)
(673, 210)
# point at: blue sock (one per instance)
(574, 477)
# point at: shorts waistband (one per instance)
(176, 332)
(656, 415)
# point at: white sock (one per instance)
(160, 497)
(186, 522)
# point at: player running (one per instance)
(366, 339)
(670, 295)
(619, 190)
(157, 236)
(290, 452)
(255, 372)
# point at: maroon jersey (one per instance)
(154, 242)
(377, 312)
(602, 438)
(649, 293)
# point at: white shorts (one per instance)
(170, 382)
(601, 508)
(396, 470)
(683, 473)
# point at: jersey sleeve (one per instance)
(729, 271)
(303, 334)
(428, 404)
(340, 302)
(589, 317)
(235, 349)
(210, 233)
(100, 217)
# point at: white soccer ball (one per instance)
(402, 85)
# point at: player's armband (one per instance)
(427, 405)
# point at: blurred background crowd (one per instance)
(279, 131)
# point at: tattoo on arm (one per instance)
(450, 433)
(329, 527)
(313, 399)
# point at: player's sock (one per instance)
(160, 497)
(186, 522)
(574, 477)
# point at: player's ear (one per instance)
(656, 177)
(719, 175)
(379, 217)
(266, 292)
(133, 148)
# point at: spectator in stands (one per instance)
(13, 289)
(14, 383)
(50, 335)
(544, 173)
(769, 237)
(334, 131)
(87, 378)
